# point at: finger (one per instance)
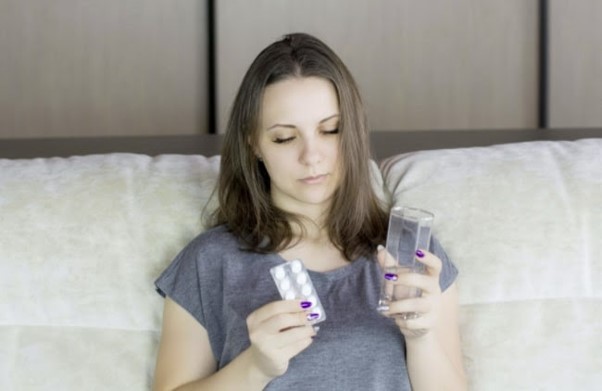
(272, 309)
(385, 259)
(293, 336)
(408, 326)
(296, 340)
(283, 322)
(417, 305)
(426, 283)
(431, 261)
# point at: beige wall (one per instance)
(139, 67)
(102, 67)
(420, 64)
(575, 63)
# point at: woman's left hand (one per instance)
(426, 306)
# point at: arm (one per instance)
(435, 359)
(434, 355)
(185, 360)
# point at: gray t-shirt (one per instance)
(356, 347)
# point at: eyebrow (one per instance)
(293, 126)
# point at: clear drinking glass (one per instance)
(409, 230)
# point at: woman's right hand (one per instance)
(278, 332)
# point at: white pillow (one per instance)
(523, 223)
(81, 241)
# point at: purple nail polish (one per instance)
(391, 276)
(313, 316)
(305, 304)
(419, 254)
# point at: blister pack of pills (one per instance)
(293, 282)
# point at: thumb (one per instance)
(384, 258)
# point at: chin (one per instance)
(317, 199)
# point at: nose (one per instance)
(310, 154)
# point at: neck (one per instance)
(315, 249)
(311, 230)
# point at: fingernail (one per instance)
(313, 316)
(380, 247)
(391, 276)
(305, 304)
(382, 308)
(419, 253)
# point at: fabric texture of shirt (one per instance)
(356, 348)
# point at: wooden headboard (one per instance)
(383, 143)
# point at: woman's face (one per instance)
(298, 142)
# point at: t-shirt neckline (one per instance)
(333, 274)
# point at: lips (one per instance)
(312, 180)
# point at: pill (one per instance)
(279, 273)
(306, 290)
(289, 295)
(285, 284)
(296, 266)
(293, 282)
(301, 279)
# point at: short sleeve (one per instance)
(449, 272)
(180, 282)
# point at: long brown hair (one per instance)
(355, 223)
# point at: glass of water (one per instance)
(409, 230)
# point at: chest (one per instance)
(355, 348)
(318, 258)
(349, 296)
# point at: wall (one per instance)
(102, 67)
(575, 63)
(140, 67)
(420, 64)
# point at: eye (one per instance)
(331, 131)
(283, 140)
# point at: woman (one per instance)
(295, 184)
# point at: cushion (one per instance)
(81, 241)
(522, 223)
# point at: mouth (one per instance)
(311, 180)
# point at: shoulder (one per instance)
(206, 252)
(215, 240)
(202, 259)
(217, 250)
